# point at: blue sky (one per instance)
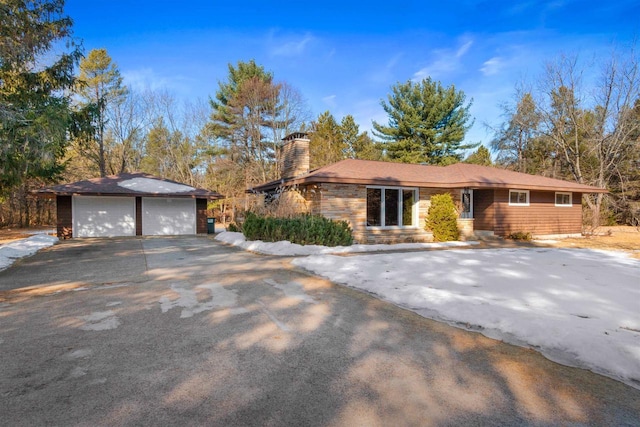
(344, 56)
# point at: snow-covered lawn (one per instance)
(292, 249)
(578, 307)
(10, 252)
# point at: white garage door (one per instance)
(166, 216)
(104, 216)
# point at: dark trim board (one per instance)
(138, 216)
(64, 213)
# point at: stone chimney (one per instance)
(294, 155)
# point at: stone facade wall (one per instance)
(348, 202)
(465, 225)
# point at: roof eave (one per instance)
(52, 194)
(421, 184)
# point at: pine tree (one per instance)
(427, 123)
(34, 101)
(326, 144)
(480, 157)
(100, 86)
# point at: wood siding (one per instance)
(201, 216)
(541, 217)
(64, 215)
(483, 211)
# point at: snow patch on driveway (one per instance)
(292, 290)
(100, 321)
(188, 299)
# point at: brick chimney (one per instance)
(294, 155)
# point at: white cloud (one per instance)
(144, 78)
(446, 61)
(330, 101)
(492, 66)
(290, 47)
(464, 49)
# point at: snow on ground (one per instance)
(292, 249)
(10, 252)
(578, 307)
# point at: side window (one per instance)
(564, 199)
(518, 197)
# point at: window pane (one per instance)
(466, 202)
(518, 197)
(407, 207)
(522, 197)
(374, 206)
(391, 203)
(563, 199)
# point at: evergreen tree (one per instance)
(427, 123)
(100, 86)
(332, 141)
(349, 134)
(358, 145)
(480, 157)
(34, 104)
(326, 144)
(250, 115)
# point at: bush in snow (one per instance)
(442, 218)
(301, 229)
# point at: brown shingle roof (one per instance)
(128, 184)
(459, 175)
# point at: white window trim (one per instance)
(519, 191)
(414, 213)
(555, 199)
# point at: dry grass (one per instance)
(10, 234)
(619, 238)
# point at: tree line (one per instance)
(73, 117)
(565, 126)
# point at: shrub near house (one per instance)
(442, 218)
(301, 229)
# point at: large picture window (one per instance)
(392, 207)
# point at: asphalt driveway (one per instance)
(186, 331)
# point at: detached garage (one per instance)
(129, 205)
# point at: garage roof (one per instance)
(129, 184)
